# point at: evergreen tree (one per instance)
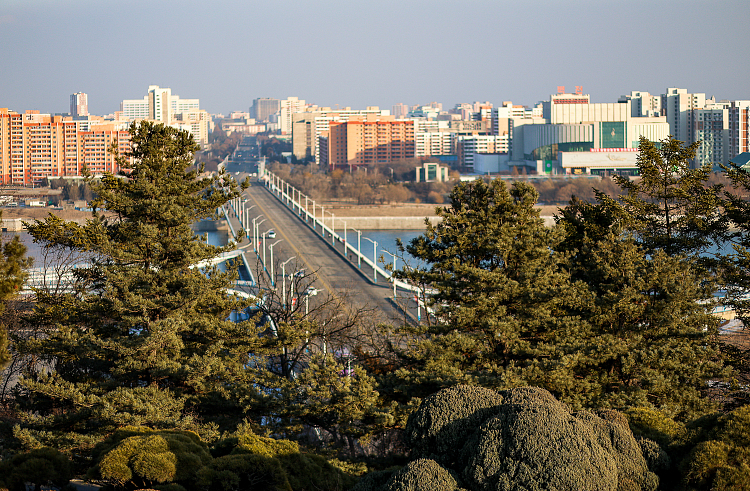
(498, 291)
(736, 264)
(13, 266)
(144, 338)
(579, 309)
(671, 207)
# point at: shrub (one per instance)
(443, 422)
(276, 464)
(517, 439)
(243, 471)
(374, 481)
(137, 457)
(42, 467)
(423, 475)
(723, 460)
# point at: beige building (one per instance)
(309, 127)
(369, 141)
(35, 146)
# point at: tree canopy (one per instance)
(144, 338)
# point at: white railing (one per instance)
(300, 205)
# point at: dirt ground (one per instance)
(39, 213)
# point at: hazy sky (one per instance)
(358, 53)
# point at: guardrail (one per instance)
(293, 199)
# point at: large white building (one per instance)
(572, 124)
(160, 105)
(287, 108)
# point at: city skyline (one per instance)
(360, 54)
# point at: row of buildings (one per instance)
(35, 146)
(567, 134)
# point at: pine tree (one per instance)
(498, 290)
(671, 207)
(13, 266)
(580, 309)
(736, 264)
(144, 338)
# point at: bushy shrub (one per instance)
(313, 472)
(722, 461)
(374, 481)
(517, 439)
(276, 464)
(655, 425)
(243, 471)
(139, 457)
(444, 421)
(42, 467)
(423, 475)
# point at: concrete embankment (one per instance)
(396, 223)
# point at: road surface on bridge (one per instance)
(314, 254)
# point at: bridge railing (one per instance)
(300, 204)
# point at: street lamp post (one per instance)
(359, 248)
(255, 232)
(273, 280)
(246, 219)
(374, 259)
(283, 282)
(393, 278)
(333, 231)
(345, 242)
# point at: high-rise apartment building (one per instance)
(400, 110)
(711, 130)
(308, 127)
(739, 130)
(264, 107)
(642, 104)
(369, 141)
(287, 108)
(158, 105)
(79, 104)
(35, 146)
(678, 106)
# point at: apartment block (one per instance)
(35, 146)
(678, 106)
(642, 104)
(739, 130)
(287, 108)
(308, 127)
(79, 104)
(369, 141)
(263, 108)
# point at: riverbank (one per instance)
(405, 216)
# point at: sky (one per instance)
(360, 53)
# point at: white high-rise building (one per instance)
(712, 131)
(642, 104)
(158, 105)
(79, 104)
(287, 107)
(678, 105)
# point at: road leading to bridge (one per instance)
(314, 254)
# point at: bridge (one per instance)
(340, 256)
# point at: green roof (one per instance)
(742, 159)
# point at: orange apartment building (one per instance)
(35, 146)
(369, 141)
